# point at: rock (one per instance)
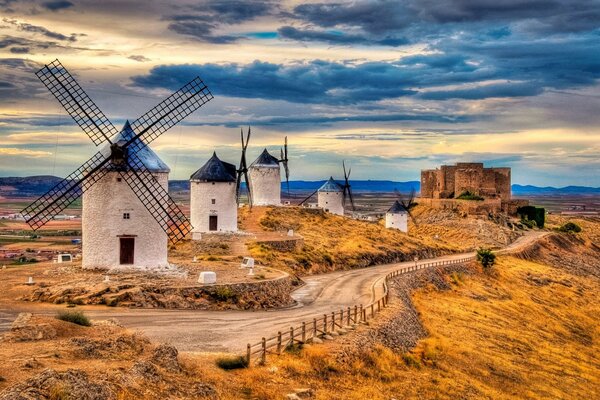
(32, 363)
(166, 356)
(315, 340)
(49, 384)
(305, 393)
(334, 333)
(145, 370)
(327, 337)
(205, 390)
(26, 328)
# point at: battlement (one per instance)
(450, 181)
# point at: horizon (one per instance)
(390, 87)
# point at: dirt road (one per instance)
(216, 331)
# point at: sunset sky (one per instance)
(392, 87)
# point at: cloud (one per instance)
(12, 151)
(202, 20)
(56, 5)
(26, 27)
(138, 58)
(486, 91)
(338, 38)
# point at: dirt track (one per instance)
(216, 331)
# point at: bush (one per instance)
(531, 213)
(529, 223)
(233, 362)
(469, 196)
(570, 227)
(225, 293)
(75, 317)
(486, 258)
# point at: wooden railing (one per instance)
(326, 325)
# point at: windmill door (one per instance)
(212, 222)
(127, 249)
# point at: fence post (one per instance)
(303, 332)
(292, 335)
(378, 305)
(332, 321)
(356, 314)
(314, 327)
(279, 342)
(364, 315)
(325, 323)
(263, 356)
(248, 351)
(348, 317)
(361, 313)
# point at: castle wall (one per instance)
(332, 202)
(503, 183)
(202, 207)
(468, 178)
(103, 206)
(428, 182)
(265, 185)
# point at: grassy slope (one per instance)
(332, 242)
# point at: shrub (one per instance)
(469, 196)
(529, 223)
(75, 317)
(570, 227)
(224, 293)
(531, 213)
(486, 258)
(232, 362)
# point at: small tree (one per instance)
(486, 258)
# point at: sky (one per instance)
(392, 87)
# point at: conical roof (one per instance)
(152, 162)
(265, 160)
(397, 208)
(215, 170)
(331, 186)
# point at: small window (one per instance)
(125, 215)
(119, 179)
(213, 201)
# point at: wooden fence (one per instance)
(324, 325)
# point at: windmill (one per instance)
(284, 161)
(332, 195)
(243, 169)
(397, 215)
(124, 157)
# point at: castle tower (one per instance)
(265, 180)
(397, 217)
(117, 230)
(330, 197)
(213, 203)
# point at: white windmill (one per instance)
(332, 195)
(265, 178)
(128, 215)
(213, 204)
(397, 215)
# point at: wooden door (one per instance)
(127, 250)
(212, 223)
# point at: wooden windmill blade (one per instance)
(66, 191)
(243, 168)
(284, 161)
(156, 199)
(347, 187)
(171, 111)
(309, 196)
(76, 102)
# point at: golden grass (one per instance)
(502, 335)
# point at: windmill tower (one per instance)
(332, 196)
(213, 205)
(265, 178)
(128, 215)
(397, 216)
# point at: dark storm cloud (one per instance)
(201, 20)
(289, 32)
(26, 27)
(57, 5)
(20, 50)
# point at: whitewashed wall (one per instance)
(397, 221)
(265, 185)
(102, 224)
(201, 207)
(332, 202)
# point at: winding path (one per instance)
(224, 331)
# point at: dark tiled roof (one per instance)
(265, 160)
(331, 186)
(215, 170)
(145, 154)
(397, 208)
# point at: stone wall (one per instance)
(472, 207)
(103, 224)
(265, 185)
(332, 202)
(224, 207)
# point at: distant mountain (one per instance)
(38, 185)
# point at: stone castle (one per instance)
(441, 187)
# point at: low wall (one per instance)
(238, 296)
(471, 207)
